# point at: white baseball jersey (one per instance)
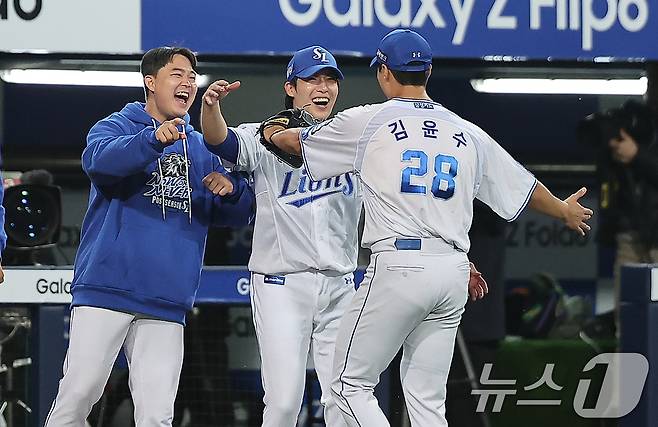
(421, 166)
(300, 224)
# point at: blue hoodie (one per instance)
(136, 255)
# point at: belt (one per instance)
(432, 245)
(408, 244)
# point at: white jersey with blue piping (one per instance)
(300, 224)
(421, 166)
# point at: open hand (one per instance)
(575, 215)
(477, 286)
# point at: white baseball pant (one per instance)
(412, 299)
(154, 349)
(295, 314)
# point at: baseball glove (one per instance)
(286, 119)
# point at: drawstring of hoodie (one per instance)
(187, 179)
(162, 192)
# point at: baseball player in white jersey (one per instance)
(305, 243)
(421, 166)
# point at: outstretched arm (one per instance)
(213, 124)
(569, 210)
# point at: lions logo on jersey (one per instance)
(300, 190)
(172, 183)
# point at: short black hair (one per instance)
(158, 57)
(410, 78)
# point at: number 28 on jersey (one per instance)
(416, 162)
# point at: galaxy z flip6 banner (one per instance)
(534, 29)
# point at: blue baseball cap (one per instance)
(306, 62)
(403, 50)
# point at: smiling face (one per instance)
(317, 94)
(171, 91)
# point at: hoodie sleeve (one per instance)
(112, 153)
(237, 208)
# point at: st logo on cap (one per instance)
(403, 50)
(307, 62)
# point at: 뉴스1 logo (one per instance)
(25, 15)
(620, 392)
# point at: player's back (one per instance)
(420, 170)
(421, 167)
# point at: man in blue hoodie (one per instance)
(141, 250)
